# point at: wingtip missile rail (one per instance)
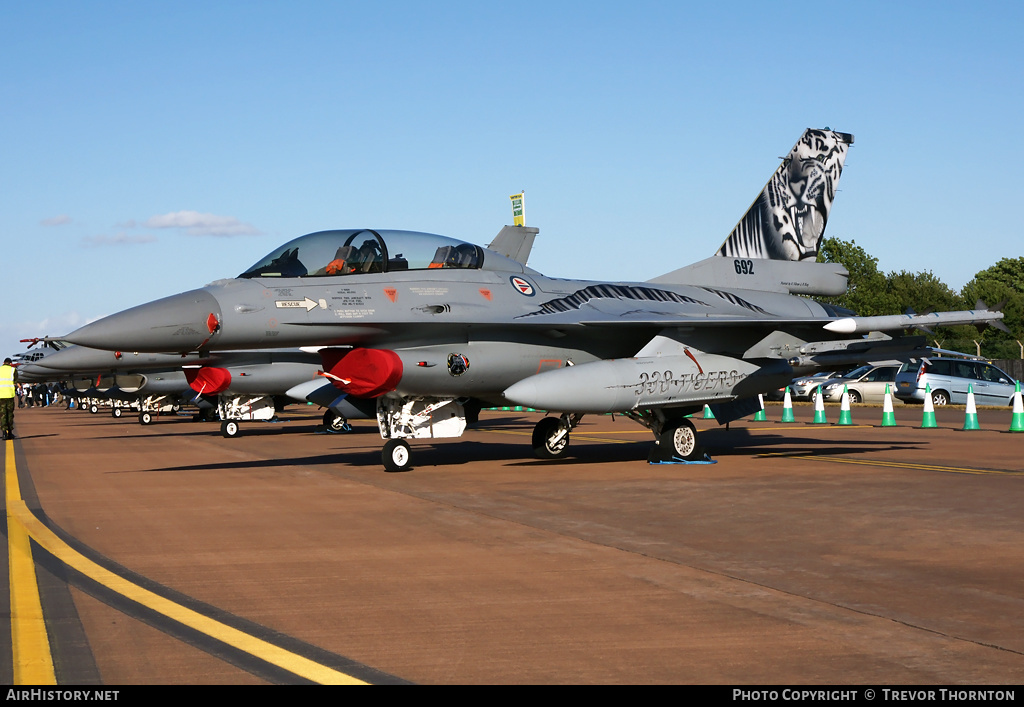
(892, 322)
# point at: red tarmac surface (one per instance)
(807, 554)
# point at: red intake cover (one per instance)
(363, 373)
(208, 380)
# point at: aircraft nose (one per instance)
(76, 358)
(178, 323)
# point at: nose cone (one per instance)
(177, 323)
(33, 373)
(76, 358)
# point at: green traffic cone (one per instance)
(971, 417)
(845, 418)
(928, 419)
(1017, 421)
(787, 407)
(819, 408)
(708, 415)
(888, 414)
(760, 415)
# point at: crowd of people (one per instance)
(38, 395)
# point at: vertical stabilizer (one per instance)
(787, 220)
(514, 242)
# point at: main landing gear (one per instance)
(396, 455)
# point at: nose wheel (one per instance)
(229, 428)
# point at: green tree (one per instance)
(867, 293)
(1002, 281)
(921, 292)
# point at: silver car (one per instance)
(803, 387)
(949, 379)
(866, 384)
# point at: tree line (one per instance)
(873, 293)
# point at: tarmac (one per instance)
(807, 554)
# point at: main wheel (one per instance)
(396, 455)
(940, 397)
(229, 428)
(335, 423)
(679, 440)
(145, 418)
(94, 408)
(854, 397)
(549, 440)
(116, 412)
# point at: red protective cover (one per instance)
(208, 380)
(369, 372)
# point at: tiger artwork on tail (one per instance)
(787, 220)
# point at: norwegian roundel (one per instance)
(522, 285)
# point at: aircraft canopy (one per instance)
(357, 251)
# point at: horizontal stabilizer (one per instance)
(786, 276)
(873, 349)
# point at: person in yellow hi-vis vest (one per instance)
(8, 376)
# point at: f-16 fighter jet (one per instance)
(433, 329)
(235, 386)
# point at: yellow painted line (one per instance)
(808, 455)
(920, 467)
(33, 662)
(18, 514)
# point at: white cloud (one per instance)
(118, 239)
(56, 220)
(197, 224)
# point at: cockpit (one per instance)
(358, 251)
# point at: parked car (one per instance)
(866, 384)
(949, 378)
(804, 386)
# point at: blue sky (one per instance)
(149, 148)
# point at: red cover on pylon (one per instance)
(208, 380)
(363, 373)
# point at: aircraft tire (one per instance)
(335, 423)
(679, 439)
(229, 428)
(94, 408)
(116, 412)
(396, 456)
(145, 418)
(544, 446)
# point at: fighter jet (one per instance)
(433, 329)
(233, 386)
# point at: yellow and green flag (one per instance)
(518, 209)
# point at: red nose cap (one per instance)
(363, 373)
(208, 380)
